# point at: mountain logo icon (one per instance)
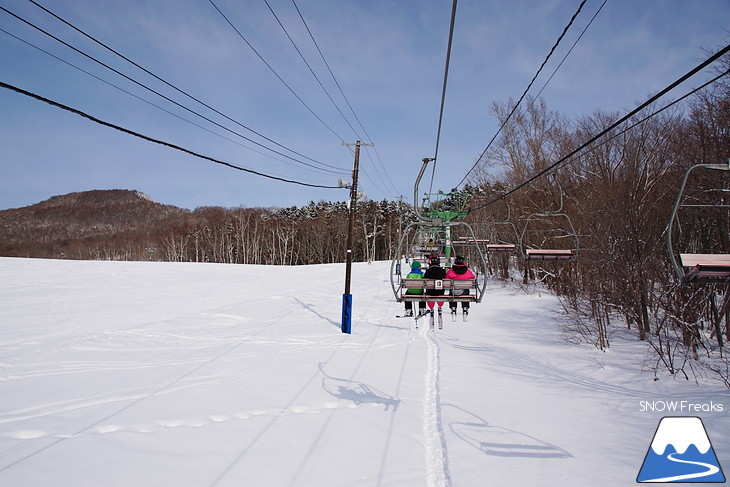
(681, 452)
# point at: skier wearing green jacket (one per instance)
(416, 273)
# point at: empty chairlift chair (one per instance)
(549, 236)
(504, 234)
(698, 230)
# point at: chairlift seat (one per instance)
(706, 268)
(500, 247)
(450, 286)
(550, 254)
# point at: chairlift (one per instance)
(501, 244)
(549, 236)
(704, 261)
(427, 242)
(439, 225)
(468, 248)
(466, 240)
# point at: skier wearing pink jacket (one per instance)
(461, 272)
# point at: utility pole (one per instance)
(347, 296)
(400, 231)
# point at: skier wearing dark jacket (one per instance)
(435, 271)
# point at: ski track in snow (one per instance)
(339, 343)
(168, 423)
(135, 400)
(181, 375)
(276, 394)
(437, 468)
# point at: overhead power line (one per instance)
(560, 38)
(568, 53)
(653, 114)
(443, 93)
(615, 124)
(179, 117)
(156, 141)
(309, 66)
(105, 46)
(319, 82)
(278, 76)
(347, 101)
(446, 78)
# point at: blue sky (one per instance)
(388, 57)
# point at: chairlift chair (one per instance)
(500, 247)
(501, 237)
(436, 223)
(501, 244)
(702, 265)
(558, 240)
(427, 241)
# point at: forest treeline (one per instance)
(128, 225)
(617, 195)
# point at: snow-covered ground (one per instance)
(167, 374)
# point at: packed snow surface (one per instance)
(169, 374)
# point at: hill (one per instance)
(85, 225)
(128, 225)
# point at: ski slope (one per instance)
(170, 374)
